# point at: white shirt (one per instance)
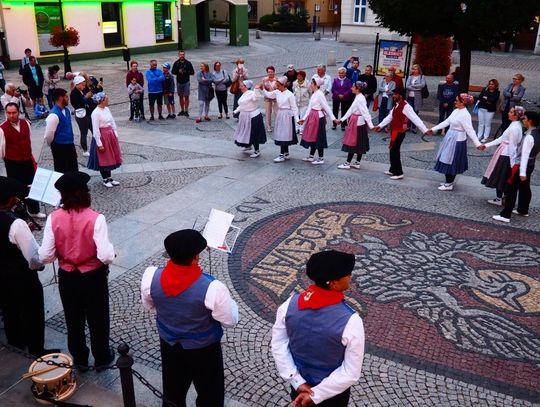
(3, 137)
(318, 102)
(460, 121)
(21, 236)
(340, 379)
(359, 107)
(284, 100)
(218, 299)
(527, 145)
(511, 138)
(248, 102)
(51, 121)
(5, 99)
(408, 111)
(102, 118)
(105, 249)
(327, 86)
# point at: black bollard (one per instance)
(124, 363)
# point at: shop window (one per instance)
(163, 21)
(47, 17)
(359, 14)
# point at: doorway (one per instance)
(111, 17)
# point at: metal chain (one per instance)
(156, 392)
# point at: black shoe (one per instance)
(82, 368)
(130, 119)
(186, 114)
(334, 127)
(103, 366)
(343, 129)
(151, 119)
(180, 114)
(160, 117)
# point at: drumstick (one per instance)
(35, 373)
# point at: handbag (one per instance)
(228, 80)
(476, 107)
(80, 113)
(376, 103)
(211, 94)
(235, 88)
(425, 92)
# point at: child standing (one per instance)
(135, 92)
(168, 90)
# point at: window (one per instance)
(252, 10)
(163, 22)
(111, 24)
(359, 13)
(47, 17)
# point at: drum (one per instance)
(54, 382)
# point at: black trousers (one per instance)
(141, 108)
(202, 367)
(395, 155)
(24, 172)
(344, 104)
(85, 298)
(21, 295)
(444, 112)
(221, 96)
(85, 124)
(519, 191)
(64, 157)
(339, 400)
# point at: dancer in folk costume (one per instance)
(400, 115)
(314, 136)
(452, 155)
(250, 130)
(105, 154)
(500, 165)
(355, 140)
(286, 117)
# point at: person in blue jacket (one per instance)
(155, 80)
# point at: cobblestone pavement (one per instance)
(448, 297)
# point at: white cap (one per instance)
(78, 79)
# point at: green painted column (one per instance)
(189, 26)
(239, 34)
(203, 21)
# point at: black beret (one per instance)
(400, 91)
(184, 245)
(10, 187)
(72, 181)
(329, 265)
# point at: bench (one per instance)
(476, 88)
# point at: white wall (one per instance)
(86, 18)
(20, 34)
(139, 26)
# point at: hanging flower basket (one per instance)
(68, 37)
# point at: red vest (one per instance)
(74, 239)
(399, 120)
(18, 147)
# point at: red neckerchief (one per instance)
(316, 297)
(399, 122)
(175, 278)
(513, 172)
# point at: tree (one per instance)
(474, 24)
(65, 37)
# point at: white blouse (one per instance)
(461, 122)
(102, 118)
(511, 138)
(359, 108)
(318, 102)
(248, 102)
(284, 100)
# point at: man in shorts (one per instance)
(155, 79)
(182, 68)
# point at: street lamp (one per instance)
(463, 7)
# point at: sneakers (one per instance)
(255, 154)
(247, 150)
(309, 158)
(446, 187)
(344, 166)
(501, 218)
(113, 182)
(41, 215)
(394, 177)
(520, 214)
(86, 154)
(496, 201)
(287, 156)
(318, 161)
(280, 158)
(356, 165)
(107, 183)
(388, 173)
(171, 116)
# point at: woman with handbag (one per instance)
(240, 73)
(81, 100)
(221, 80)
(513, 94)
(206, 92)
(487, 104)
(414, 85)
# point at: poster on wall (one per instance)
(392, 53)
(47, 17)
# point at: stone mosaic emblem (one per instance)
(457, 297)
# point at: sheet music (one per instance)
(216, 228)
(51, 195)
(43, 189)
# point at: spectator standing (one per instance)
(302, 94)
(240, 73)
(291, 76)
(81, 100)
(33, 78)
(326, 87)
(222, 80)
(2, 79)
(353, 73)
(155, 79)
(386, 89)
(341, 96)
(446, 94)
(488, 99)
(415, 84)
(50, 83)
(25, 60)
(14, 95)
(183, 69)
(205, 92)
(168, 90)
(270, 106)
(139, 77)
(395, 77)
(135, 92)
(513, 94)
(371, 81)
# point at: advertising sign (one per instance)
(47, 17)
(392, 53)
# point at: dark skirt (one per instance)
(362, 141)
(289, 142)
(459, 163)
(257, 134)
(499, 175)
(321, 136)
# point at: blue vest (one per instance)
(64, 131)
(184, 317)
(315, 338)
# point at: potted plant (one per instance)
(65, 38)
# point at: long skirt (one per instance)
(362, 141)
(109, 159)
(250, 130)
(499, 175)
(285, 128)
(459, 163)
(320, 141)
